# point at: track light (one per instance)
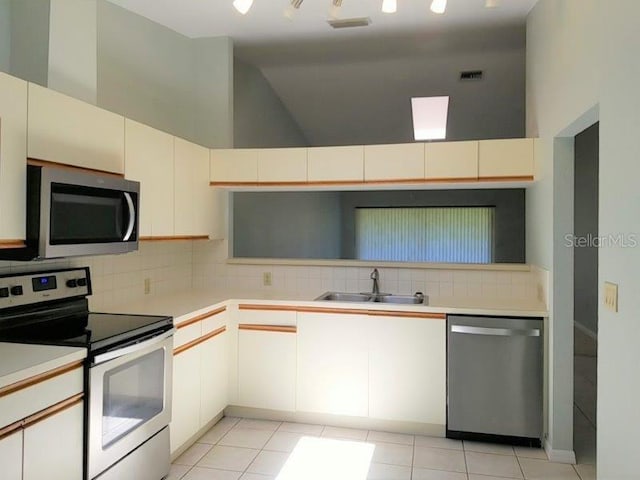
(389, 6)
(438, 6)
(242, 6)
(336, 6)
(291, 10)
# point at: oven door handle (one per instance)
(121, 352)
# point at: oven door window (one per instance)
(90, 215)
(133, 394)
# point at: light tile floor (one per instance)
(244, 449)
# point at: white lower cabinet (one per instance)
(333, 358)
(11, 456)
(214, 371)
(53, 447)
(185, 412)
(267, 368)
(407, 367)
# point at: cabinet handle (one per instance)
(499, 332)
(268, 328)
(204, 316)
(198, 341)
(43, 377)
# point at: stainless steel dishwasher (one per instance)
(494, 379)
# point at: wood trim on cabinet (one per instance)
(268, 328)
(393, 313)
(272, 308)
(12, 244)
(345, 311)
(198, 341)
(174, 237)
(48, 163)
(522, 178)
(234, 184)
(204, 316)
(41, 415)
(52, 410)
(43, 377)
(393, 181)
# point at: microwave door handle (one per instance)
(132, 217)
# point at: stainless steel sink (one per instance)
(417, 299)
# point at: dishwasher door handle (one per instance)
(500, 332)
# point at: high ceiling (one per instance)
(354, 85)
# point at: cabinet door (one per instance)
(407, 365)
(185, 410)
(66, 130)
(53, 448)
(336, 164)
(234, 166)
(332, 374)
(13, 158)
(11, 456)
(214, 377)
(267, 368)
(394, 162)
(506, 158)
(282, 165)
(193, 200)
(451, 161)
(149, 160)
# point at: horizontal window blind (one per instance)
(425, 234)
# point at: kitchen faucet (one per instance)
(375, 276)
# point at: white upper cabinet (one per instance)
(66, 130)
(394, 162)
(234, 166)
(451, 161)
(506, 158)
(336, 164)
(282, 165)
(13, 159)
(193, 200)
(11, 456)
(149, 160)
(407, 365)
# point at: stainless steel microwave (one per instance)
(72, 213)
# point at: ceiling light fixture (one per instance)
(389, 6)
(438, 6)
(334, 11)
(242, 6)
(492, 3)
(291, 10)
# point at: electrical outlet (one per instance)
(611, 296)
(266, 279)
(147, 286)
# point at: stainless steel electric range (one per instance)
(128, 371)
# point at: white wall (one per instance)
(260, 117)
(581, 66)
(73, 48)
(30, 40)
(5, 36)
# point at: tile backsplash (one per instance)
(177, 266)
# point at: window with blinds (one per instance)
(425, 234)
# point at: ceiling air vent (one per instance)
(349, 22)
(471, 75)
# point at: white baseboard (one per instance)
(586, 331)
(559, 456)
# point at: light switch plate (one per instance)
(611, 296)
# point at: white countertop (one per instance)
(19, 361)
(188, 304)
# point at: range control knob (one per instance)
(16, 290)
(82, 282)
(4, 292)
(73, 283)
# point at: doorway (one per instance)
(585, 293)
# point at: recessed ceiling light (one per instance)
(430, 117)
(438, 6)
(492, 3)
(293, 7)
(389, 6)
(242, 6)
(336, 6)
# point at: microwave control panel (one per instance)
(36, 287)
